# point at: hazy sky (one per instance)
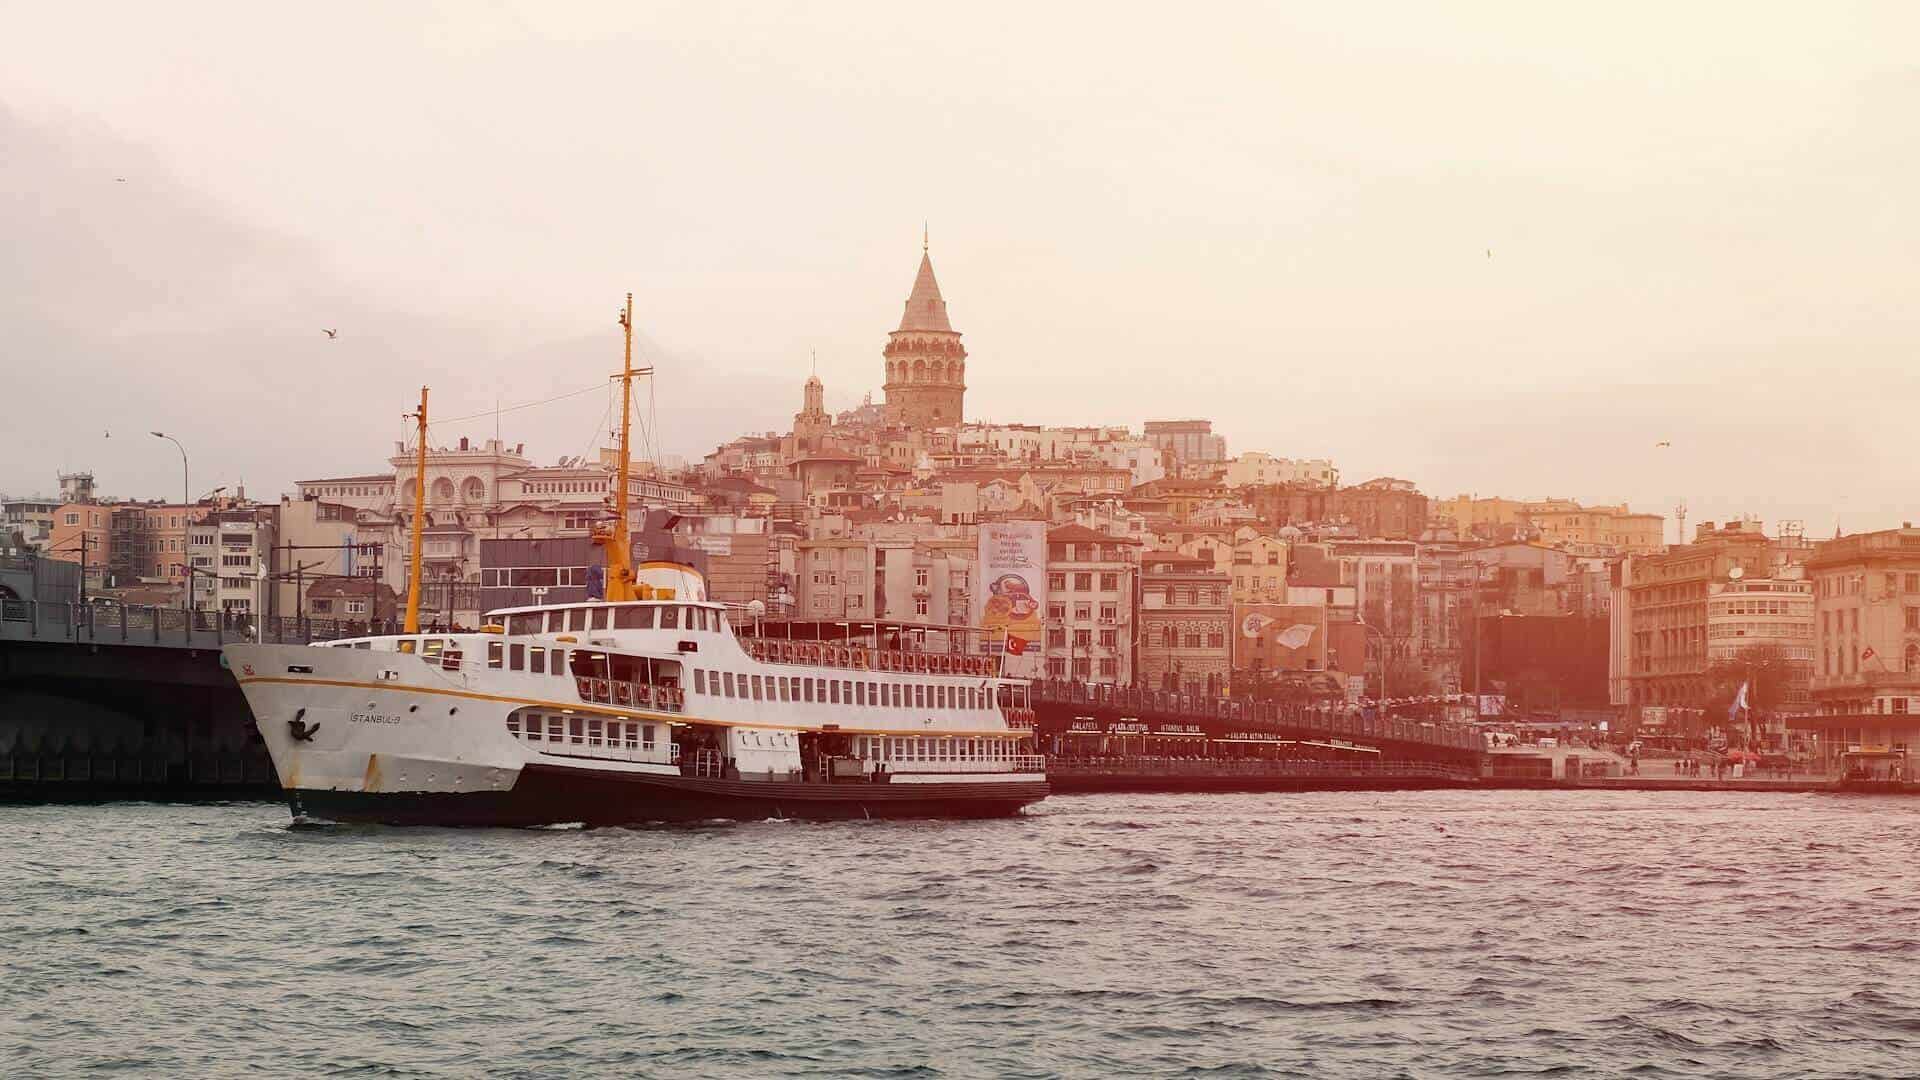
(1702, 221)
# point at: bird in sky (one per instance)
(119, 179)
(331, 334)
(1661, 443)
(1489, 253)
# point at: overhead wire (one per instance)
(515, 408)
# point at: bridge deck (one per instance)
(105, 623)
(1151, 713)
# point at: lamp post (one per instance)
(186, 602)
(1365, 625)
(184, 486)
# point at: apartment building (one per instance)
(1091, 582)
(1667, 608)
(1866, 650)
(1185, 622)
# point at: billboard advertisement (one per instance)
(1011, 602)
(1280, 637)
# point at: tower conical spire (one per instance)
(926, 364)
(926, 309)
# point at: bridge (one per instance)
(105, 700)
(1074, 719)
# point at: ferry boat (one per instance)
(652, 704)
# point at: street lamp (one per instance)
(1365, 625)
(184, 486)
(186, 598)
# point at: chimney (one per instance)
(463, 442)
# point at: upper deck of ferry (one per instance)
(656, 626)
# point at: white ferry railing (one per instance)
(631, 695)
(1019, 763)
(861, 658)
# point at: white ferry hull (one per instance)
(370, 736)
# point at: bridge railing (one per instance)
(1161, 766)
(136, 624)
(1256, 715)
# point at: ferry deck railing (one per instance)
(631, 695)
(857, 657)
(1016, 763)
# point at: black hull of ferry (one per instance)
(549, 796)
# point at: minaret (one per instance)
(811, 423)
(926, 364)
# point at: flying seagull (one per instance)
(119, 179)
(1661, 443)
(1489, 253)
(331, 334)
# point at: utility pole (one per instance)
(83, 571)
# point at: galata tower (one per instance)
(926, 365)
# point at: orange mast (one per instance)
(419, 515)
(620, 578)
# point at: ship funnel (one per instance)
(669, 581)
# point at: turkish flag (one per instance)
(1016, 645)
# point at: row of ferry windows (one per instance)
(582, 731)
(637, 617)
(838, 691)
(888, 748)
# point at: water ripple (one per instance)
(1561, 934)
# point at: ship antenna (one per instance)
(419, 514)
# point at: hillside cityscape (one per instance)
(1172, 561)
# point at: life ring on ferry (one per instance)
(860, 659)
(585, 687)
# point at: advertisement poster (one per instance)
(1012, 599)
(1280, 637)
